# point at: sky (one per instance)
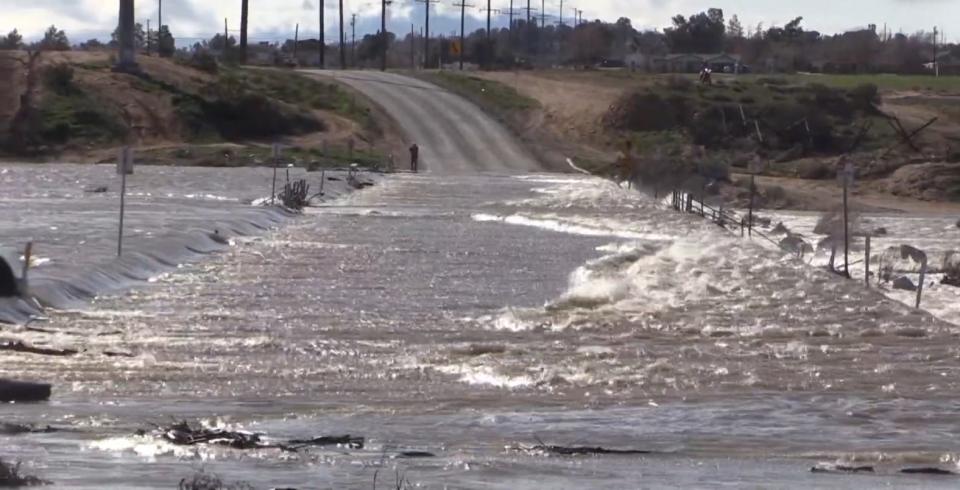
(275, 20)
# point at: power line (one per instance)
(426, 39)
(463, 15)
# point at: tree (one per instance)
(12, 41)
(92, 45)
(55, 40)
(139, 37)
(167, 45)
(735, 28)
(703, 32)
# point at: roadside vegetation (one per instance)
(78, 108)
(769, 116)
(499, 99)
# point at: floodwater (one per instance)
(464, 316)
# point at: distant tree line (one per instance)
(785, 48)
(161, 42)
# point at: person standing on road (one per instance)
(414, 158)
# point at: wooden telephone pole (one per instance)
(426, 37)
(323, 39)
(488, 48)
(343, 49)
(383, 35)
(244, 18)
(463, 16)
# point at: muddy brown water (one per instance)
(464, 315)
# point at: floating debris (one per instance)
(18, 429)
(10, 477)
(926, 471)
(182, 434)
(348, 441)
(577, 450)
(206, 481)
(416, 454)
(19, 346)
(839, 468)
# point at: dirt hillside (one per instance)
(182, 112)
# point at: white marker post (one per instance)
(276, 161)
(847, 175)
(755, 167)
(124, 168)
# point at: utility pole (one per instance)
(323, 39)
(226, 37)
(148, 37)
(488, 49)
(244, 19)
(936, 63)
(413, 48)
(159, 16)
(353, 40)
(343, 49)
(463, 16)
(511, 13)
(296, 44)
(384, 39)
(528, 11)
(127, 59)
(426, 38)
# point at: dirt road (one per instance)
(454, 136)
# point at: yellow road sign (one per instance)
(455, 48)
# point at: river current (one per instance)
(466, 317)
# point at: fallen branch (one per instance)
(578, 450)
(182, 434)
(18, 346)
(348, 441)
(18, 429)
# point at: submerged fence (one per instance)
(731, 220)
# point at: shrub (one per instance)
(865, 97)
(204, 61)
(776, 194)
(679, 83)
(59, 79)
(231, 110)
(814, 170)
(638, 111)
(831, 100)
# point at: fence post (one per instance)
(923, 273)
(27, 256)
(276, 161)
(124, 167)
(866, 275)
(753, 191)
